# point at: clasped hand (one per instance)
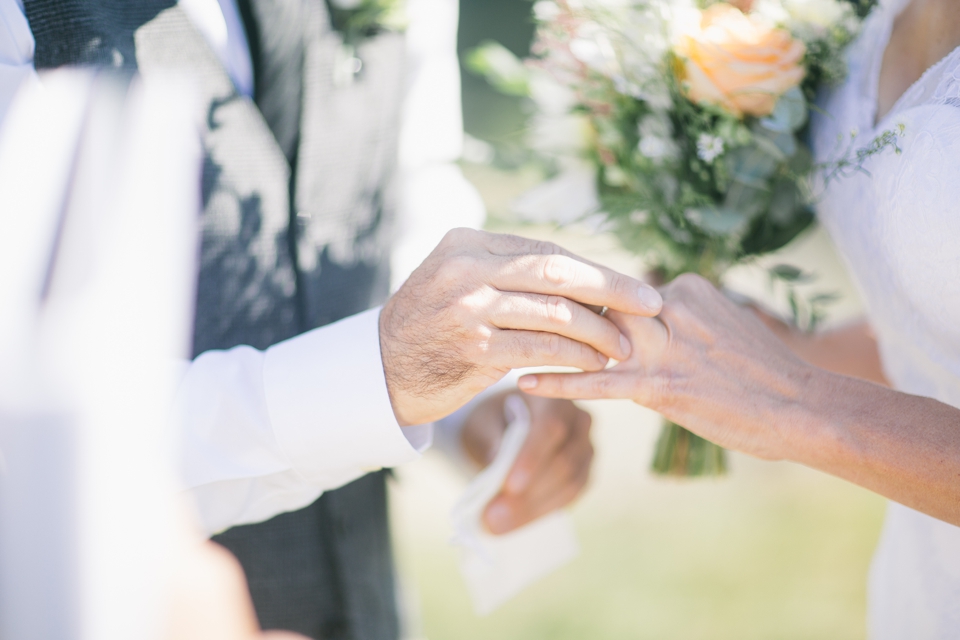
(704, 363)
(482, 304)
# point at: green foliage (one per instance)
(368, 19)
(852, 160)
(502, 69)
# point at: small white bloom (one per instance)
(808, 18)
(593, 47)
(641, 216)
(709, 147)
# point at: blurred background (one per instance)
(773, 551)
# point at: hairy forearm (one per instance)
(904, 447)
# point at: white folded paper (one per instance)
(496, 568)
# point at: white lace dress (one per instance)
(899, 232)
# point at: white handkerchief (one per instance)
(496, 568)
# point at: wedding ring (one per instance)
(603, 311)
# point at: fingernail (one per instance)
(625, 347)
(498, 517)
(527, 382)
(650, 298)
(518, 481)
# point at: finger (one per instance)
(557, 489)
(512, 349)
(576, 279)
(559, 315)
(547, 437)
(483, 429)
(587, 386)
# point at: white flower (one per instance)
(564, 134)
(808, 18)
(545, 10)
(593, 47)
(709, 147)
(550, 96)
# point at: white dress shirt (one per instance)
(263, 432)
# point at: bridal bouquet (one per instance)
(684, 122)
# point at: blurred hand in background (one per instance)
(553, 466)
(209, 599)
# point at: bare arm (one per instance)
(850, 350)
(714, 368)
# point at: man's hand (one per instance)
(551, 470)
(482, 304)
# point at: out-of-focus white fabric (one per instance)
(268, 431)
(497, 568)
(246, 457)
(98, 199)
(898, 229)
(434, 195)
(16, 52)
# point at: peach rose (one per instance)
(737, 62)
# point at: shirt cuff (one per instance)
(328, 402)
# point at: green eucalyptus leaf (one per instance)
(747, 199)
(789, 114)
(502, 69)
(788, 273)
(717, 221)
(786, 203)
(753, 164)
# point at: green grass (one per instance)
(774, 551)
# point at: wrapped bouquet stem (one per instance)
(682, 453)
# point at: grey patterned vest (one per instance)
(296, 224)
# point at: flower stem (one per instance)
(685, 454)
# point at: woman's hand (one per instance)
(704, 363)
(550, 471)
(714, 368)
(850, 350)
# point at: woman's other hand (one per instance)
(552, 468)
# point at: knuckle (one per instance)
(458, 236)
(456, 269)
(691, 284)
(621, 284)
(559, 311)
(600, 385)
(556, 270)
(546, 248)
(552, 345)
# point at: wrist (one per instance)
(386, 360)
(819, 425)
